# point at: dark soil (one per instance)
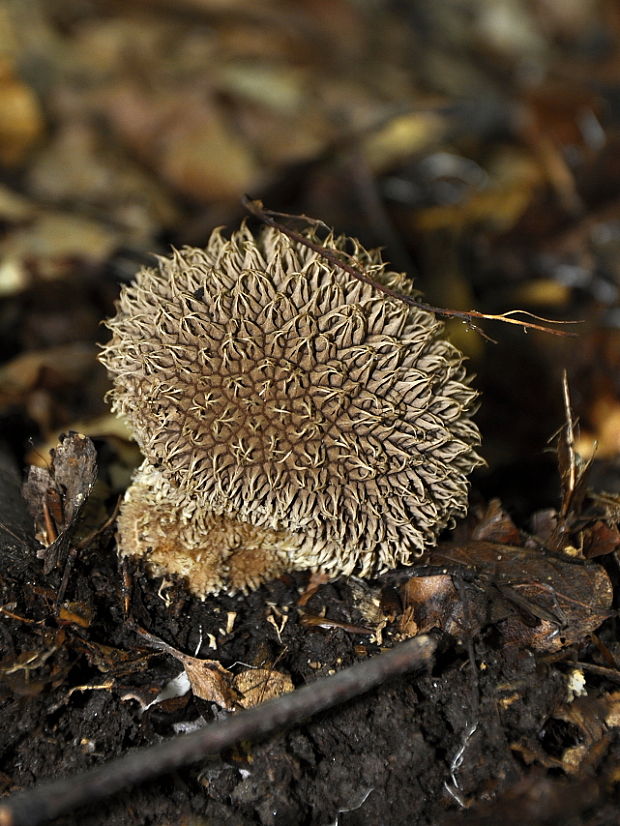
(481, 154)
(413, 751)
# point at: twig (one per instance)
(257, 209)
(53, 798)
(611, 674)
(569, 439)
(10, 614)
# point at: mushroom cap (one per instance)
(266, 385)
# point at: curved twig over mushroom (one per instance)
(291, 416)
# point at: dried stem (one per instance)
(569, 439)
(51, 799)
(257, 209)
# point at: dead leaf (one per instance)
(185, 135)
(544, 524)
(316, 580)
(210, 681)
(600, 539)
(612, 712)
(110, 660)
(102, 180)
(591, 717)
(21, 118)
(65, 364)
(107, 426)
(431, 602)
(48, 247)
(56, 495)
(495, 525)
(314, 621)
(602, 439)
(27, 673)
(402, 137)
(371, 602)
(537, 599)
(514, 178)
(257, 685)
(208, 678)
(407, 625)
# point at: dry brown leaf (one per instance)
(369, 602)
(612, 712)
(402, 137)
(107, 426)
(319, 621)
(431, 602)
(514, 178)
(55, 495)
(21, 118)
(110, 660)
(591, 716)
(257, 685)
(538, 600)
(66, 363)
(14, 208)
(210, 681)
(315, 581)
(27, 673)
(495, 525)
(603, 440)
(80, 166)
(50, 245)
(407, 626)
(208, 678)
(187, 138)
(600, 539)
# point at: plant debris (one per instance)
(56, 495)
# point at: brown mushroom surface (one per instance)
(291, 416)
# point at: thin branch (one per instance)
(257, 209)
(569, 440)
(53, 798)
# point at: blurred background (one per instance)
(476, 141)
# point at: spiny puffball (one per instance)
(290, 415)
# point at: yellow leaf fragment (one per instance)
(257, 685)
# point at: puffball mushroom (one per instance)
(290, 415)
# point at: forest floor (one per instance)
(480, 150)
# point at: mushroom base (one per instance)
(213, 552)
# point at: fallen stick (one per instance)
(267, 216)
(53, 798)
